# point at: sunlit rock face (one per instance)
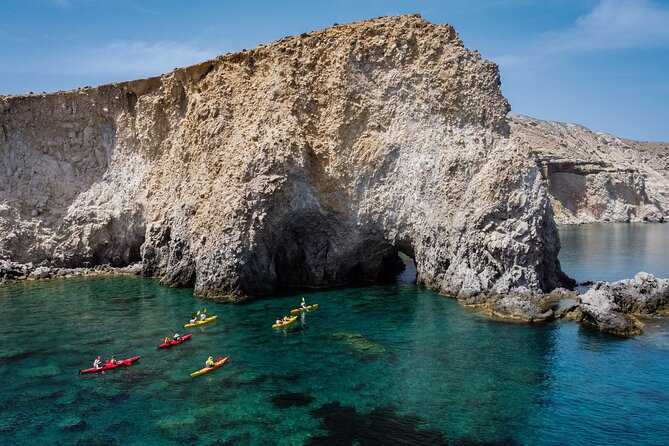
(307, 162)
(596, 177)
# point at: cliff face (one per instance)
(307, 162)
(596, 177)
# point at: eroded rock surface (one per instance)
(308, 162)
(613, 307)
(597, 177)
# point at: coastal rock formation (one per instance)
(308, 162)
(14, 272)
(596, 177)
(612, 307)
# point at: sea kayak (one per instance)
(284, 323)
(173, 342)
(310, 307)
(217, 364)
(109, 365)
(205, 321)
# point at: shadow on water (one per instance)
(382, 426)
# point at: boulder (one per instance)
(599, 309)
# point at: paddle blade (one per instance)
(205, 310)
(198, 313)
(219, 359)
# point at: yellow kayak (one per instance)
(217, 364)
(310, 307)
(205, 321)
(283, 324)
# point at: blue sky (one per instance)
(600, 63)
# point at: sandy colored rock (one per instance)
(307, 162)
(597, 177)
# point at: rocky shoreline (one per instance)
(619, 307)
(12, 272)
(616, 308)
(314, 162)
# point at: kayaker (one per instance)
(114, 360)
(279, 321)
(210, 362)
(167, 340)
(303, 304)
(203, 316)
(286, 318)
(96, 363)
(176, 336)
(193, 319)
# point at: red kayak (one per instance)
(109, 365)
(173, 342)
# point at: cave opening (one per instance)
(409, 274)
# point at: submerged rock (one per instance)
(383, 425)
(360, 344)
(286, 400)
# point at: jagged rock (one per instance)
(596, 177)
(645, 294)
(308, 162)
(13, 271)
(525, 307)
(41, 272)
(611, 307)
(600, 309)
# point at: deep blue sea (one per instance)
(386, 365)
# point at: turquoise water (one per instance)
(372, 366)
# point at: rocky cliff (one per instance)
(308, 162)
(594, 176)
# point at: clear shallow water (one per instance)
(382, 365)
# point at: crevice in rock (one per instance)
(132, 102)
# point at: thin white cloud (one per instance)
(126, 60)
(610, 25)
(509, 60)
(613, 25)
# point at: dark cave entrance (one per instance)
(403, 269)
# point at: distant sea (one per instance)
(384, 365)
(614, 251)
